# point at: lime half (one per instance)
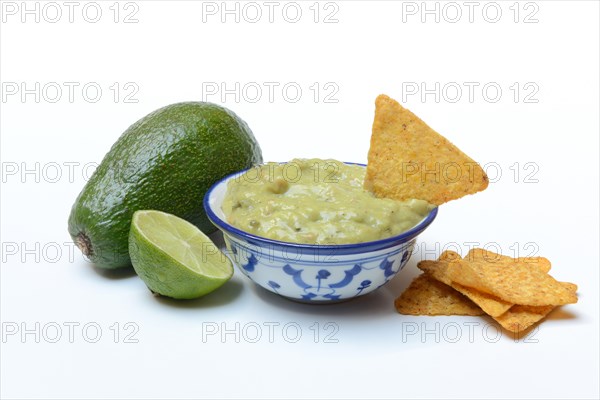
(174, 258)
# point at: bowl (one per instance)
(310, 273)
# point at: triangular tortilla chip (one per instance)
(438, 270)
(519, 317)
(427, 296)
(541, 263)
(513, 282)
(409, 160)
(489, 303)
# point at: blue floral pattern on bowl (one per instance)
(313, 273)
(340, 278)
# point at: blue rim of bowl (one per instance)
(350, 248)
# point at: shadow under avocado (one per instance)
(114, 274)
(217, 239)
(220, 297)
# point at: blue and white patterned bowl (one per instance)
(313, 273)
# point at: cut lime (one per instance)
(174, 258)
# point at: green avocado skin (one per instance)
(166, 161)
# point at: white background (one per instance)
(547, 203)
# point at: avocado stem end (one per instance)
(84, 243)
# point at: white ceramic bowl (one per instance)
(313, 273)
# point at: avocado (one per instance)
(166, 161)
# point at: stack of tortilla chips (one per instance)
(516, 292)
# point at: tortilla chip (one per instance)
(409, 160)
(542, 263)
(513, 282)
(519, 317)
(490, 304)
(570, 286)
(449, 255)
(427, 296)
(515, 278)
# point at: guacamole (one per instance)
(314, 201)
